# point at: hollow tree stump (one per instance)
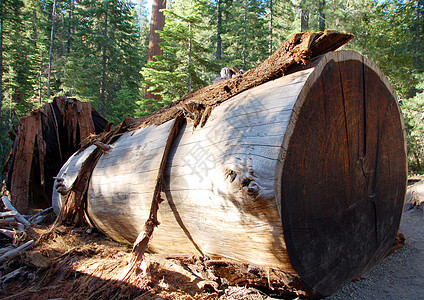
(305, 173)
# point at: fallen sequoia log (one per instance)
(44, 141)
(305, 173)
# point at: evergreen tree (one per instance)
(282, 18)
(105, 62)
(245, 33)
(186, 62)
(18, 67)
(413, 112)
(143, 29)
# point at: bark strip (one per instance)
(142, 241)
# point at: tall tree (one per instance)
(156, 24)
(51, 48)
(282, 22)
(105, 60)
(419, 32)
(143, 18)
(245, 39)
(186, 62)
(321, 14)
(1, 61)
(219, 30)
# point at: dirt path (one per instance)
(399, 276)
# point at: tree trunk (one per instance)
(189, 58)
(70, 16)
(418, 16)
(104, 62)
(219, 31)
(321, 15)
(307, 172)
(244, 48)
(46, 138)
(51, 49)
(156, 24)
(271, 16)
(304, 19)
(1, 61)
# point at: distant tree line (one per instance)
(97, 51)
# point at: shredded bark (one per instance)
(44, 141)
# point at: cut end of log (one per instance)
(344, 174)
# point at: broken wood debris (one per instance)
(15, 252)
(16, 229)
(17, 215)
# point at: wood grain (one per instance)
(344, 175)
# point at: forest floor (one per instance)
(75, 264)
(399, 276)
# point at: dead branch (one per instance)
(15, 252)
(11, 275)
(8, 233)
(39, 214)
(5, 214)
(10, 207)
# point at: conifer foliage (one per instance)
(97, 50)
(187, 62)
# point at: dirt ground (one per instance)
(74, 264)
(399, 276)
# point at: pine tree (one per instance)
(186, 62)
(104, 63)
(281, 17)
(143, 28)
(245, 32)
(18, 70)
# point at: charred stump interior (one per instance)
(44, 142)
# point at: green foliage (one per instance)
(383, 35)
(186, 63)
(116, 30)
(109, 67)
(245, 33)
(413, 111)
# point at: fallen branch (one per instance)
(38, 220)
(44, 211)
(8, 233)
(10, 207)
(6, 249)
(11, 275)
(5, 214)
(15, 252)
